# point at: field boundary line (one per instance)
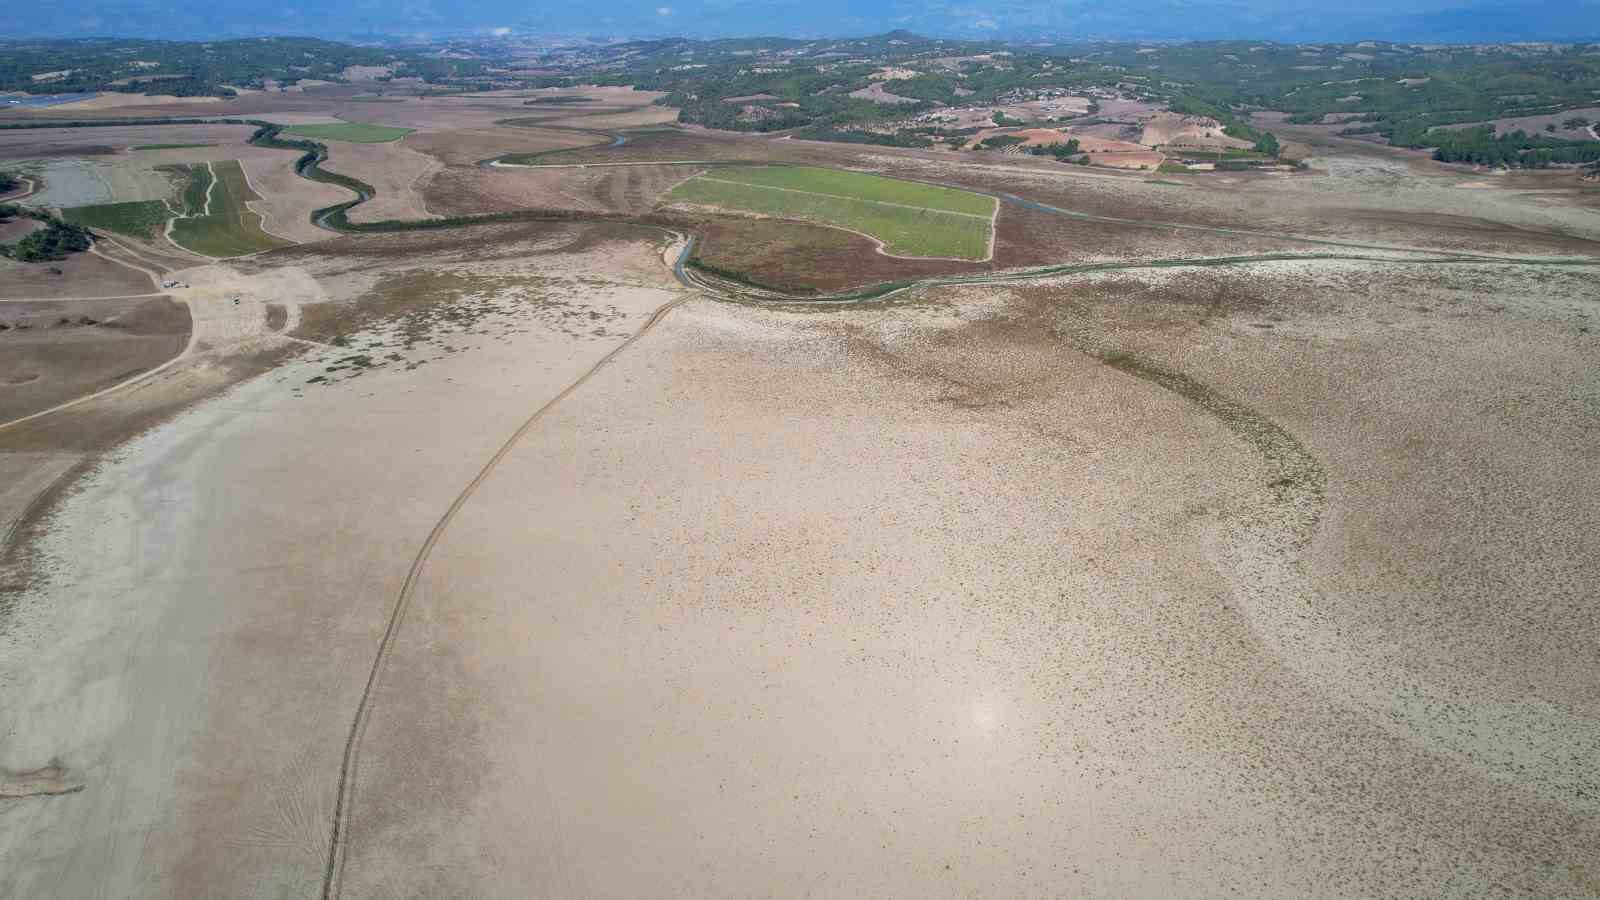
(348, 768)
(768, 187)
(260, 198)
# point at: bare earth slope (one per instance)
(506, 560)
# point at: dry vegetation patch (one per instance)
(54, 352)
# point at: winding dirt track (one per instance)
(352, 751)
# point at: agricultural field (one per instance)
(167, 146)
(908, 218)
(226, 226)
(136, 218)
(351, 132)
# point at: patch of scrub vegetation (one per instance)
(351, 132)
(413, 318)
(9, 182)
(53, 242)
(168, 146)
(229, 227)
(135, 218)
(909, 218)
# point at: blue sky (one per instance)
(1289, 20)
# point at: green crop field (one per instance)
(354, 132)
(230, 228)
(911, 219)
(137, 218)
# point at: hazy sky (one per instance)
(1473, 20)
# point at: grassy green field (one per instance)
(230, 228)
(911, 219)
(168, 146)
(353, 132)
(136, 218)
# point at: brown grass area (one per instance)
(18, 227)
(1092, 144)
(467, 148)
(53, 352)
(398, 172)
(80, 275)
(633, 190)
(802, 258)
(287, 199)
(27, 143)
(1146, 160)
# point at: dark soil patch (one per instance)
(277, 316)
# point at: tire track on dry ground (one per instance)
(1286, 521)
(352, 752)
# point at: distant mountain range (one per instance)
(1282, 20)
